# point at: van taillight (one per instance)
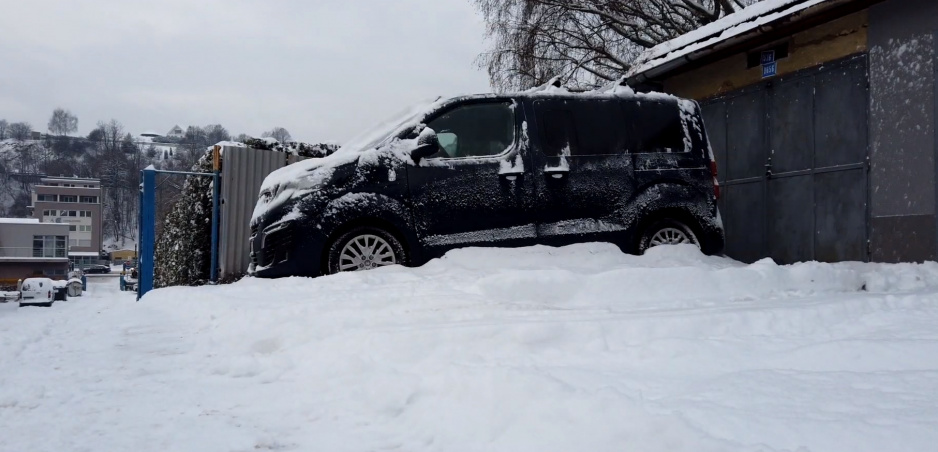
(716, 182)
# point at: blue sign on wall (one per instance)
(769, 69)
(768, 56)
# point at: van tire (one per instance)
(382, 240)
(667, 231)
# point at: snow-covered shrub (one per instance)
(183, 249)
(293, 147)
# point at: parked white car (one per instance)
(38, 291)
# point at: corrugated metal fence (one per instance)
(243, 171)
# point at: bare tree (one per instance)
(585, 42)
(3, 129)
(62, 122)
(278, 133)
(20, 131)
(215, 133)
(109, 135)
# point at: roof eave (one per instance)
(815, 14)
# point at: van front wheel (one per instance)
(667, 232)
(364, 248)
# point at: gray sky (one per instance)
(323, 69)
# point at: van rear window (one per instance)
(653, 126)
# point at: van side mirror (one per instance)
(427, 144)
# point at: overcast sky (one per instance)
(321, 68)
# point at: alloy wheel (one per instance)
(365, 252)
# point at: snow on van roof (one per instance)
(742, 21)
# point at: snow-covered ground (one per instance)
(536, 349)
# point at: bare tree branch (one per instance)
(587, 42)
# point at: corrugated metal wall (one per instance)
(243, 171)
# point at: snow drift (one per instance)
(533, 349)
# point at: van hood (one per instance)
(297, 179)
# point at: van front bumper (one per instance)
(286, 248)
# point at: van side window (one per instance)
(653, 126)
(475, 130)
(598, 127)
(559, 135)
(581, 127)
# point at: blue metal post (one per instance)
(216, 205)
(147, 232)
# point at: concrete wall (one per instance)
(12, 271)
(20, 235)
(827, 42)
(20, 264)
(902, 130)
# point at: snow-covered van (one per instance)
(540, 167)
(38, 291)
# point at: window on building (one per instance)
(88, 199)
(72, 228)
(85, 214)
(84, 228)
(47, 198)
(68, 198)
(49, 245)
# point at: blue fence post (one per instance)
(147, 232)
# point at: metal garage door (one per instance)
(792, 156)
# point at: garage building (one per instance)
(821, 114)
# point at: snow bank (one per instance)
(533, 349)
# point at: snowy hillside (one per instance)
(538, 349)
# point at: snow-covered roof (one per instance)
(19, 220)
(149, 133)
(750, 19)
(83, 253)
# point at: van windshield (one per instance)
(387, 128)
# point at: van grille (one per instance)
(277, 245)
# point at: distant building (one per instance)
(30, 248)
(123, 255)
(176, 132)
(76, 203)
